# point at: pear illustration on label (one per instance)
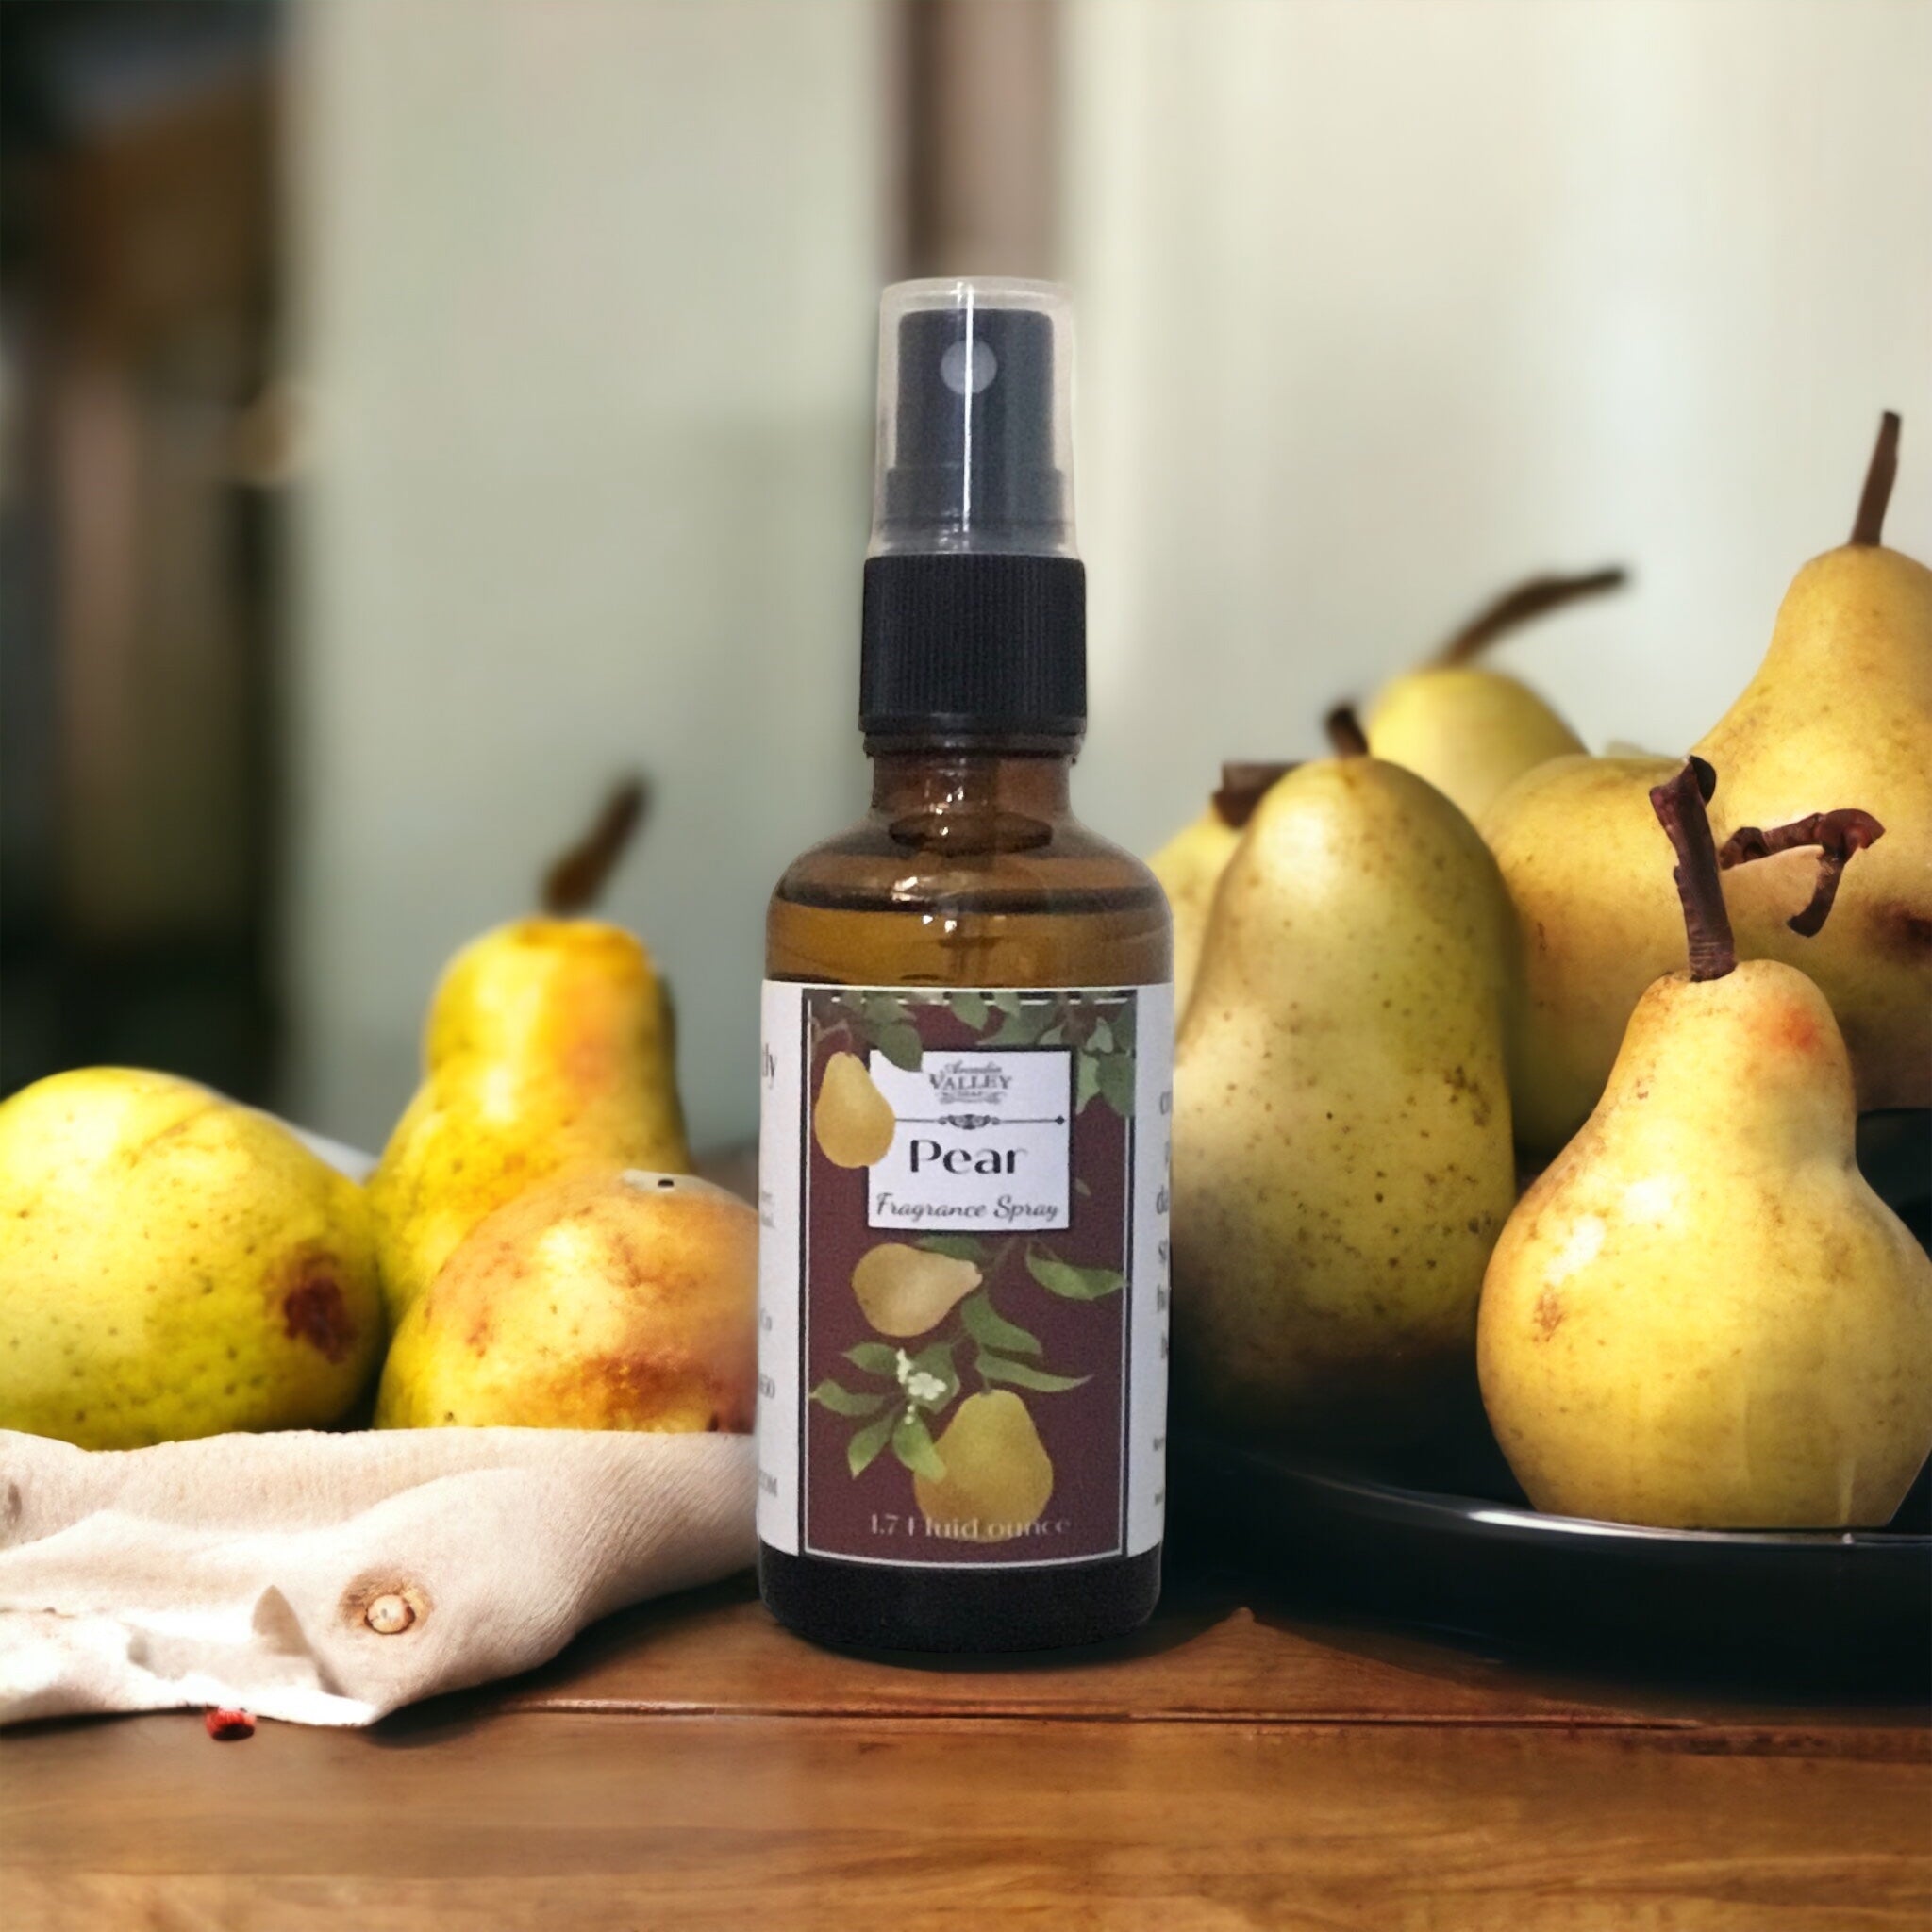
(905, 1291)
(998, 1475)
(853, 1121)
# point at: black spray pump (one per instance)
(972, 458)
(975, 598)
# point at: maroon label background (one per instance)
(1082, 1430)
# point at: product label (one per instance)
(962, 1331)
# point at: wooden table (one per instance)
(1240, 1764)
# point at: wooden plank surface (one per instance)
(1238, 1766)
(570, 1819)
(1217, 1650)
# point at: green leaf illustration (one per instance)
(1101, 1039)
(913, 1445)
(993, 1368)
(875, 1358)
(970, 1009)
(990, 1329)
(900, 1044)
(1053, 1036)
(960, 1248)
(1074, 1284)
(828, 1394)
(1117, 1084)
(1086, 1080)
(866, 1444)
(884, 1009)
(1024, 1025)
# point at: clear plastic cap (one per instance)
(976, 449)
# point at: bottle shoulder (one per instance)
(1064, 908)
(877, 861)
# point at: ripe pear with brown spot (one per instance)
(1341, 1145)
(1700, 1316)
(173, 1265)
(602, 1301)
(998, 1477)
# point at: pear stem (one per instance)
(1345, 733)
(576, 879)
(1836, 834)
(1242, 788)
(1875, 499)
(1678, 803)
(1528, 599)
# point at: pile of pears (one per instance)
(531, 1250)
(1463, 948)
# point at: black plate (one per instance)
(1443, 1538)
(1441, 1535)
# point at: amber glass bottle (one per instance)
(967, 1045)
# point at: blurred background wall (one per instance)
(585, 296)
(1386, 304)
(538, 447)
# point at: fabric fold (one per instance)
(329, 1580)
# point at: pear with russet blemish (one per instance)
(1341, 1146)
(607, 1300)
(1190, 865)
(172, 1264)
(549, 1051)
(1700, 1316)
(1841, 708)
(852, 1121)
(1469, 729)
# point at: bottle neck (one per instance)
(1028, 779)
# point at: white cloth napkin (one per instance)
(331, 1578)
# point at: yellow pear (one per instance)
(598, 1301)
(173, 1265)
(1341, 1146)
(852, 1121)
(1472, 731)
(1467, 730)
(1190, 865)
(998, 1477)
(549, 1051)
(1841, 710)
(1700, 1315)
(905, 1291)
(1575, 840)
